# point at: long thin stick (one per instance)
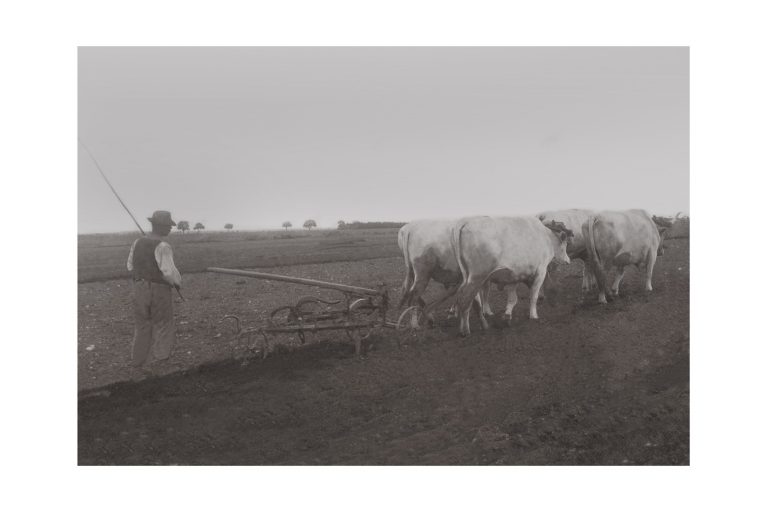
(298, 280)
(110, 185)
(121, 201)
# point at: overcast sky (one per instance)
(258, 136)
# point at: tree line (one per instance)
(368, 225)
(183, 225)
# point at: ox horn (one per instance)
(559, 227)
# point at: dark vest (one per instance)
(144, 262)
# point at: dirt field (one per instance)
(585, 384)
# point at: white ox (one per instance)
(428, 255)
(616, 239)
(505, 250)
(573, 219)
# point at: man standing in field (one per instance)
(151, 262)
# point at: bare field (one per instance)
(584, 385)
(102, 257)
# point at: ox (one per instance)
(616, 239)
(573, 219)
(505, 250)
(663, 224)
(428, 254)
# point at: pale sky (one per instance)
(256, 136)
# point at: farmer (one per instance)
(151, 261)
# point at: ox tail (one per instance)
(456, 245)
(404, 240)
(593, 256)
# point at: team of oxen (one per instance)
(468, 255)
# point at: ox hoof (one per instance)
(508, 320)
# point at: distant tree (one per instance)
(309, 224)
(287, 224)
(199, 226)
(342, 224)
(182, 226)
(228, 226)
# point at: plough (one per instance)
(359, 312)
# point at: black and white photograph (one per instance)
(383, 255)
(402, 255)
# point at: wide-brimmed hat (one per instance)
(161, 217)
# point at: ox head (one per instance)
(565, 235)
(662, 225)
(663, 222)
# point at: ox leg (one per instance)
(407, 285)
(482, 297)
(417, 290)
(464, 322)
(599, 276)
(428, 315)
(464, 298)
(450, 291)
(586, 281)
(649, 270)
(478, 305)
(511, 301)
(601, 282)
(535, 288)
(451, 313)
(617, 281)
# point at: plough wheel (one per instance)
(407, 317)
(361, 310)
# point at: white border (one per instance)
(38, 92)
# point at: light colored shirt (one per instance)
(164, 259)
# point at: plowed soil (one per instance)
(585, 384)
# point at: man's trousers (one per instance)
(155, 331)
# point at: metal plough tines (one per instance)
(359, 313)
